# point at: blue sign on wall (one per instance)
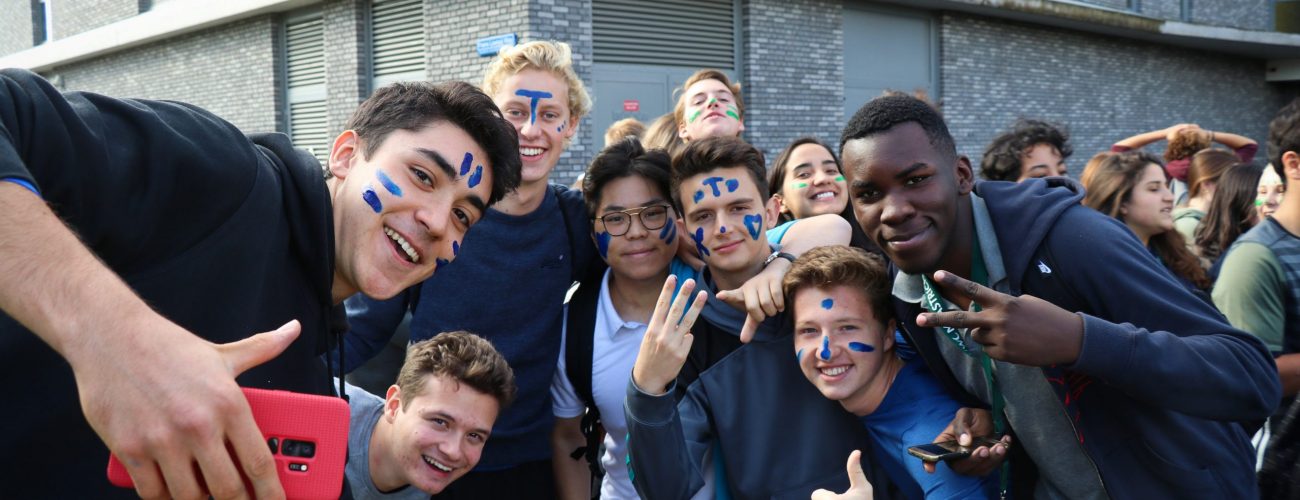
(491, 45)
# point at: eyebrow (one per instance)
(652, 202)
(908, 171)
(437, 158)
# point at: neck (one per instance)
(635, 299)
(1288, 213)
(1200, 202)
(866, 401)
(341, 289)
(1142, 235)
(957, 259)
(383, 469)
(732, 280)
(524, 199)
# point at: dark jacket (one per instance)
(1162, 379)
(225, 234)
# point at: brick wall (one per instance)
(77, 16)
(1103, 88)
(569, 21)
(1244, 14)
(347, 71)
(15, 26)
(229, 70)
(793, 77)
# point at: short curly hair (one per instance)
(1284, 135)
(460, 356)
(881, 114)
(1186, 142)
(1001, 161)
(839, 265)
(551, 56)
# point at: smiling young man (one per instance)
(727, 392)
(430, 428)
(710, 106)
(1101, 406)
(183, 236)
(1031, 149)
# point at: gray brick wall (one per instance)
(15, 26)
(229, 70)
(569, 21)
(77, 16)
(347, 74)
(1162, 9)
(1103, 88)
(1244, 14)
(793, 79)
(1114, 4)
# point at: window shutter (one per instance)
(692, 33)
(305, 61)
(397, 41)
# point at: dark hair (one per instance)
(776, 174)
(624, 158)
(415, 105)
(883, 113)
(836, 265)
(1231, 210)
(1208, 165)
(463, 357)
(1001, 161)
(712, 153)
(1111, 183)
(1284, 135)
(1186, 142)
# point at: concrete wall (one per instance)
(793, 81)
(1103, 88)
(15, 26)
(1244, 14)
(77, 16)
(229, 70)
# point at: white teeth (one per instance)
(824, 196)
(530, 151)
(834, 371)
(406, 247)
(435, 463)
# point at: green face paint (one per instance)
(694, 115)
(839, 178)
(711, 101)
(1259, 203)
(732, 113)
(801, 185)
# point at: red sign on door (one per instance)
(631, 105)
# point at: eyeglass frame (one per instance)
(634, 213)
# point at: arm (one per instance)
(1249, 293)
(572, 476)
(1137, 141)
(371, 324)
(667, 442)
(1238, 143)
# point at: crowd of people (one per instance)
(1132, 333)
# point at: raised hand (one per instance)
(1024, 330)
(965, 425)
(859, 487)
(760, 297)
(667, 341)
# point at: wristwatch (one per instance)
(778, 255)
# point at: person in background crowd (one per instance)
(710, 105)
(1269, 192)
(806, 180)
(662, 134)
(1232, 212)
(627, 127)
(1203, 174)
(1184, 140)
(1032, 148)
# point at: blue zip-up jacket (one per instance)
(1162, 379)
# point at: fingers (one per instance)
(675, 313)
(693, 313)
(260, 348)
(178, 473)
(661, 305)
(219, 471)
(981, 294)
(748, 330)
(255, 458)
(823, 494)
(929, 467)
(857, 480)
(955, 319)
(144, 475)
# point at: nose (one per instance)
(636, 228)
(452, 449)
(895, 210)
(435, 216)
(529, 128)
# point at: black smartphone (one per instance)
(949, 450)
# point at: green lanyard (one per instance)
(979, 274)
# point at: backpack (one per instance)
(578, 356)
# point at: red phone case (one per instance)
(291, 418)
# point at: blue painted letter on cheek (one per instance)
(669, 233)
(754, 223)
(826, 348)
(533, 96)
(699, 242)
(860, 347)
(602, 244)
(388, 183)
(372, 199)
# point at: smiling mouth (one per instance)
(404, 247)
(529, 152)
(823, 196)
(436, 464)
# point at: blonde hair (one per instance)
(679, 110)
(545, 55)
(627, 127)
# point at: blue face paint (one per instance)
(723, 230)
(478, 176)
(560, 128)
(754, 223)
(372, 199)
(699, 242)
(732, 185)
(438, 263)
(533, 96)
(712, 182)
(826, 348)
(860, 347)
(798, 355)
(699, 195)
(828, 303)
(669, 233)
(466, 163)
(455, 248)
(602, 244)
(388, 184)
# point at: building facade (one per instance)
(1104, 68)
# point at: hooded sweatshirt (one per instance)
(1161, 381)
(225, 234)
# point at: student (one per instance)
(1271, 189)
(710, 106)
(622, 129)
(430, 428)
(1232, 213)
(1203, 174)
(1050, 291)
(510, 287)
(1183, 141)
(730, 395)
(844, 344)
(196, 235)
(806, 180)
(1031, 149)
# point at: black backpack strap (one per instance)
(578, 358)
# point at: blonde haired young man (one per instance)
(710, 106)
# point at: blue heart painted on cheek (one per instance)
(602, 244)
(754, 223)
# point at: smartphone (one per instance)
(307, 434)
(949, 450)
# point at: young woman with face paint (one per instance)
(807, 180)
(844, 345)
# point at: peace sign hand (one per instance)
(667, 341)
(1025, 330)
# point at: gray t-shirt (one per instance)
(366, 410)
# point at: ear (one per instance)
(771, 211)
(780, 207)
(965, 175)
(742, 127)
(571, 128)
(346, 149)
(392, 403)
(887, 340)
(1291, 165)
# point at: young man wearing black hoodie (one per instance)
(142, 242)
(1032, 303)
